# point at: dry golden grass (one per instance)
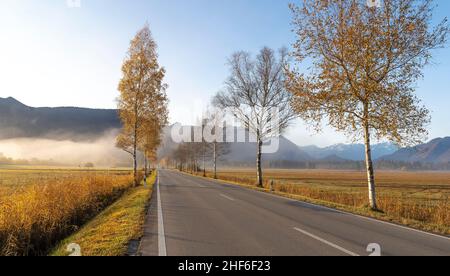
(109, 233)
(44, 207)
(418, 199)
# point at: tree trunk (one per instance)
(145, 171)
(136, 125)
(135, 172)
(204, 162)
(259, 175)
(370, 169)
(215, 159)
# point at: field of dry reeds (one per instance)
(38, 208)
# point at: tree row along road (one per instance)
(202, 217)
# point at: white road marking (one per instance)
(354, 215)
(218, 181)
(227, 197)
(327, 242)
(371, 219)
(162, 250)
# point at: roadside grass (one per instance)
(39, 208)
(110, 233)
(418, 200)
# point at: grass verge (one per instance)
(110, 233)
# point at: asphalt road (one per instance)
(191, 216)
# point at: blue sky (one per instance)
(52, 55)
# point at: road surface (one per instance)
(192, 216)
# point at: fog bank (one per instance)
(101, 152)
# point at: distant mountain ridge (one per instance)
(351, 152)
(435, 151)
(244, 152)
(83, 124)
(20, 121)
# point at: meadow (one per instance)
(417, 199)
(40, 207)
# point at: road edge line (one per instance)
(162, 249)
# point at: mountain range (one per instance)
(435, 151)
(353, 152)
(246, 152)
(20, 121)
(82, 124)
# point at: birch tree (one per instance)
(142, 94)
(253, 92)
(152, 137)
(366, 60)
(214, 136)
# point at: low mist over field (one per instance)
(101, 152)
(59, 136)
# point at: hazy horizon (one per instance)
(172, 123)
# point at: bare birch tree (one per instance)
(366, 61)
(253, 92)
(214, 135)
